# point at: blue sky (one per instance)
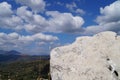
(36, 26)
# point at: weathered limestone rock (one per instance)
(88, 58)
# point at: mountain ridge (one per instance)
(13, 55)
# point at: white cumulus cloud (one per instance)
(109, 20)
(14, 40)
(74, 8)
(64, 22)
(57, 22)
(25, 19)
(35, 5)
(7, 17)
(5, 9)
(110, 13)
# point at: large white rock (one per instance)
(88, 58)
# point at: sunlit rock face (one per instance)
(88, 58)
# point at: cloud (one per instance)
(60, 3)
(43, 37)
(74, 8)
(35, 5)
(64, 22)
(13, 22)
(57, 22)
(71, 6)
(27, 14)
(17, 37)
(7, 17)
(16, 41)
(80, 11)
(109, 20)
(5, 9)
(110, 13)
(32, 22)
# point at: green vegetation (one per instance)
(21, 70)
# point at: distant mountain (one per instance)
(12, 56)
(13, 52)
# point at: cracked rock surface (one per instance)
(88, 58)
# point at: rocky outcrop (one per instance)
(88, 58)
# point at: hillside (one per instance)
(24, 70)
(16, 66)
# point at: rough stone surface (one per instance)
(88, 58)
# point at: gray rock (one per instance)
(88, 58)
